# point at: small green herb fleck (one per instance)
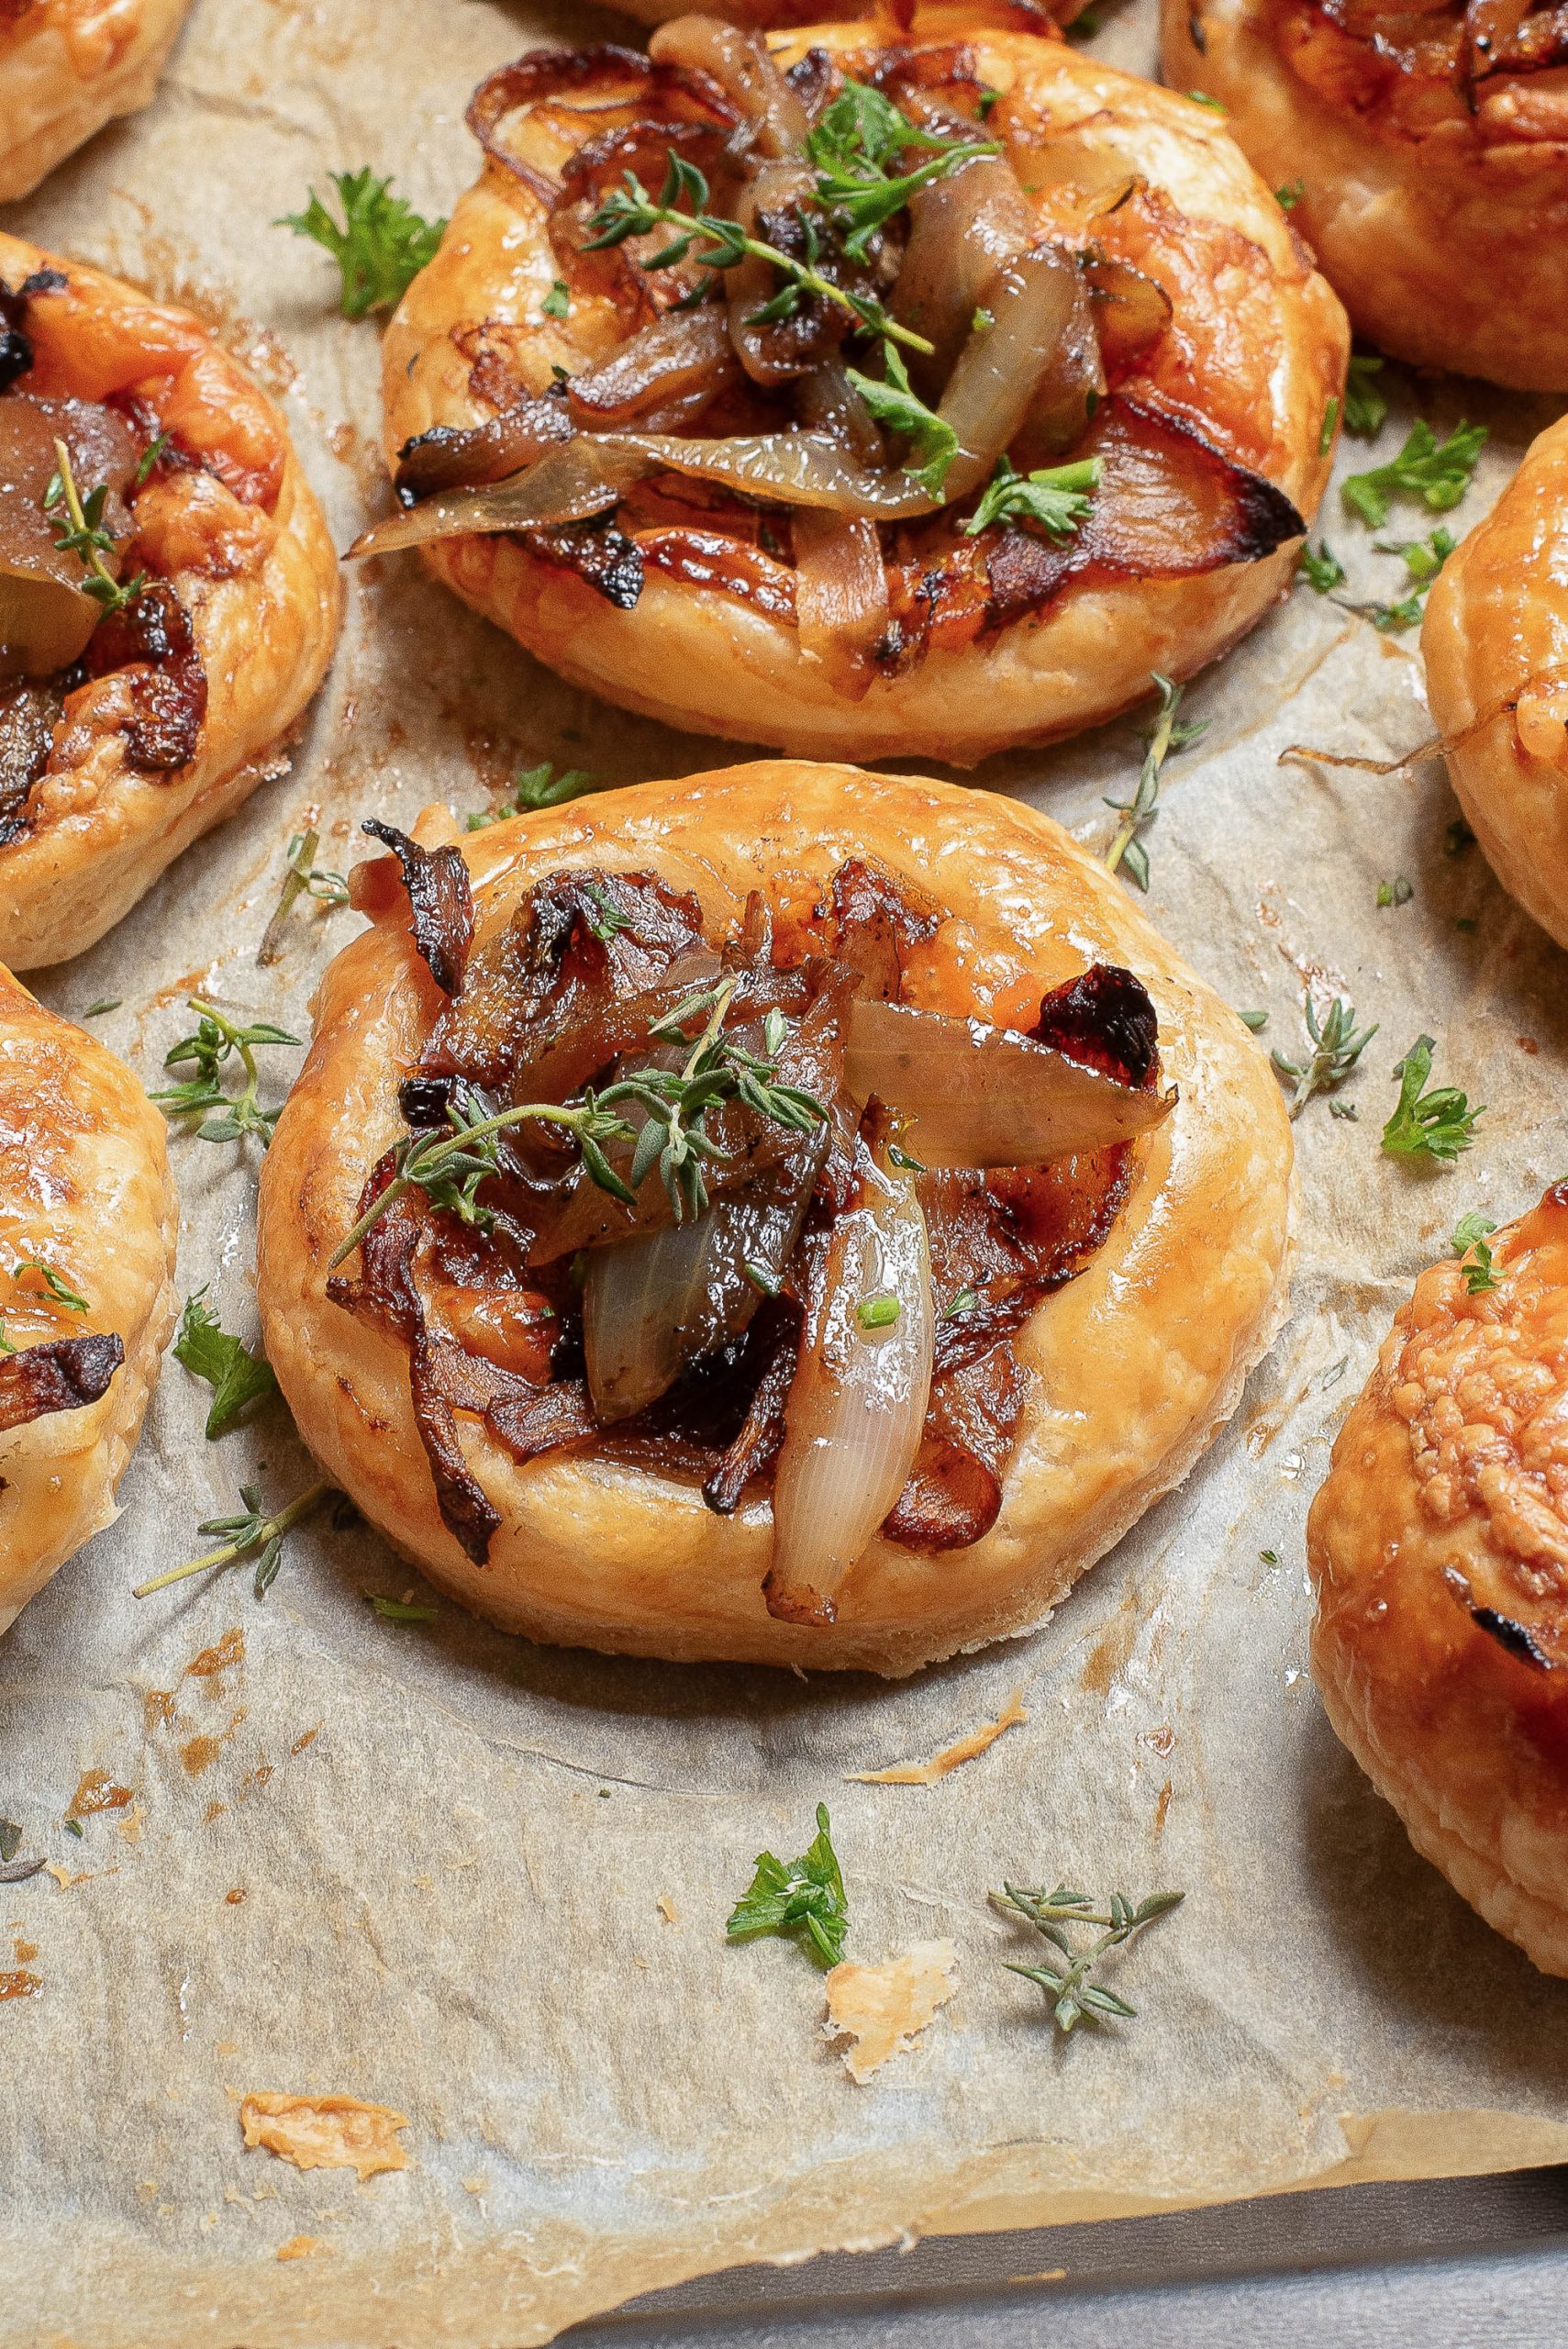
(877, 1312)
(1067, 1978)
(149, 458)
(801, 1900)
(1256, 1021)
(1436, 1125)
(1397, 892)
(237, 1376)
(1470, 1238)
(57, 1288)
(1336, 1045)
(105, 1003)
(1366, 406)
(74, 1827)
(964, 1302)
(303, 878)
(400, 1610)
(1269, 1557)
(1437, 473)
(380, 246)
(1290, 196)
(1321, 569)
(1329, 425)
(557, 303)
(1129, 849)
(536, 788)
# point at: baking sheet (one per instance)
(451, 1847)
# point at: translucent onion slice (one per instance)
(1029, 304)
(653, 1304)
(44, 622)
(740, 64)
(567, 484)
(841, 593)
(961, 229)
(858, 1403)
(984, 1097)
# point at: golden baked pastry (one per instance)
(88, 1222)
(131, 721)
(1495, 644)
(69, 66)
(1439, 1546)
(1424, 157)
(953, 1387)
(1119, 369)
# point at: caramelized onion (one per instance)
(665, 375)
(46, 618)
(857, 1401)
(961, 228)
(452, 456)
(770, 353)
(1029, 304)
(984, 1096)
(584, 477)
(841, 593)
(740, 64)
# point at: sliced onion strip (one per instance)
(858, 1402)
(984, 1097)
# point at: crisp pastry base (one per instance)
(1448, 252)
(1448, 1493)
(84, 1186)
(1496, 646)
(264, 592)
(1256, 328)
(1132, 1366)
(69, 66)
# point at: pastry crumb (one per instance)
(325, 2131)
(302, 2247)
(668, 1909)
(881, 2008)
(967, 1749)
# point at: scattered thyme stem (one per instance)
(266, 1532)
(433, 1153)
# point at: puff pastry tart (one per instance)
(1427, 152)
(1439, 1546)
(69, 66)
(88, 1222)
(995, 381)
(791, 1215)
(1495, 645)
(168, 595)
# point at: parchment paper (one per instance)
(451, 1894)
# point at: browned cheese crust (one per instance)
(85, 1192)
(1496, 646)
(1131, 1368)
(1439, 1546)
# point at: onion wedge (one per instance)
(567, 484)
(856, 1405)
(984, 1096)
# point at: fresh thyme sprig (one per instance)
(629, 211)
(1074, 1998)
(1127, 850)
(674, 1104)
(303, 878)
(1336, 1045)
(803, 1900)
(83, 534)
(1436, 1125)
(214, 1042)
(1471, 1235)
(251, 1530)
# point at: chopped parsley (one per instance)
(380, 246)
(1323, 570)
(803, 1900)
(237, 1376)
(896, 403)
(1434, 1125)
(1471, 1234)
(1436, 472)
(1055, 500)
(1366, 406)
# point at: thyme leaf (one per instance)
(82, 533)
(1336, 1045)
(1067, 1978)
(1127, 850)
(304, 878)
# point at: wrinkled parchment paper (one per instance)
(448, 1899)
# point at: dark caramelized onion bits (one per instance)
(29, 715)
(16, 349)
(1169, 506)
(65, 1374)
(875, 923)
(1104, 1019)
(772, 1348)
(153, 643)
(440, 901)
(664, 376)
(954, 1493)
(449, 457)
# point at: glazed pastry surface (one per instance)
(85, 1192)
(229, 525)
(1129, 1368)
(1496, 646)
(1437, 204)
(69, 66)
(1439, 1546)
(1253, 354)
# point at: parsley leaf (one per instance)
(1436, 1125)
(1055, 500)
(1322, 571)
(1424, 558)
(1470, 1237)
(1366, 406)
(858, 137)
(801, 1900)
(1437, 471)
(557, 303)
(540, 786)
(896, 404)
(1290, 196)
(237, 1376)
(381, 246)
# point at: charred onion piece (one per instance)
(984, 1096)
(440, 900)
(856, 1405)
(664, 376)
(586, 476)
(65, 1374)
(452, 457)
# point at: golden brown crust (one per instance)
(1259, 349)
(1496, 646)
(1450, 251)
(86, 1189)
(1439, 1545)
(1131, 1366)
(69, 66)
(253, 565)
